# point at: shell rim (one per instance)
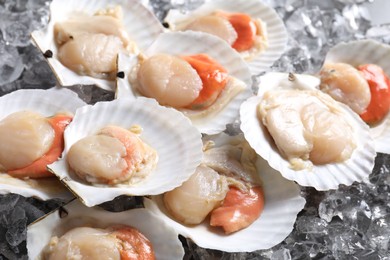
(35, 95)
(82, 189)
(229, 113)
(75, 205)
(40, 36)
(278, 32)
(294, 197)
(341, 52)
(248, 116)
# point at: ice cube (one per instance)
(281, 254)
(39, 76)
(11, 65)
(311, 225)
(16, 226)
(379, 233)
(122, 203)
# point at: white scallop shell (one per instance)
(282, 204)
(47, 103)
(177, 142)
(188, 43)
(276, 31)
(361, 52)
(321, 177)
(164, 239)
(140, 23)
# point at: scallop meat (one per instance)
(305, 134)
(127, 147)
(206, 81)
(32, 125)
(252, 28)
(78, 232)
(357, 74)
(238, 188)
(83, 38)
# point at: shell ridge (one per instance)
(278, 202)
(126, 112)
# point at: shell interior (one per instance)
(276, 31)
(321, 177)
(184, 45)
(177, 142)
(47, 103)
(77, 215)
(140, 23)
(282, 204)
(125, 64)
(361, 52)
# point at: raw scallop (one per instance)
(24, 136)
(91, 54)
(352, 159)
(209, 115)
(102, 235)
(170, 80)
(214, 25)
(270, 28)
(192, 202)
(112, 156)
(374, 53)
(305, 125)
(85, 243)
(283, 202)
(345, 84)
(72, 22)
(172, 139)
(47, 104)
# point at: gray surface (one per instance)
(349, 223)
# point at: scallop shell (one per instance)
(276, 31)
(361, 52)
(184, 45)
(282, 204)
(47, 103)
(321, 177)
(164, 239)
(140, 23)
(177, 142)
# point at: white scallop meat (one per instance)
(78, 216)
(275, 30)
(213, 119)
(140, 24)
(46, 103)
(360, 52)
(320, 176)
(282, 204)
(179, 149)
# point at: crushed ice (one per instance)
(348, 223)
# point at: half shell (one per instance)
(321, 177)
(177, 142)
(47, 103)
(282, 204)
(188, 43)
(361, 52)
(164, 239)
(276, 31)
(140, 23)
